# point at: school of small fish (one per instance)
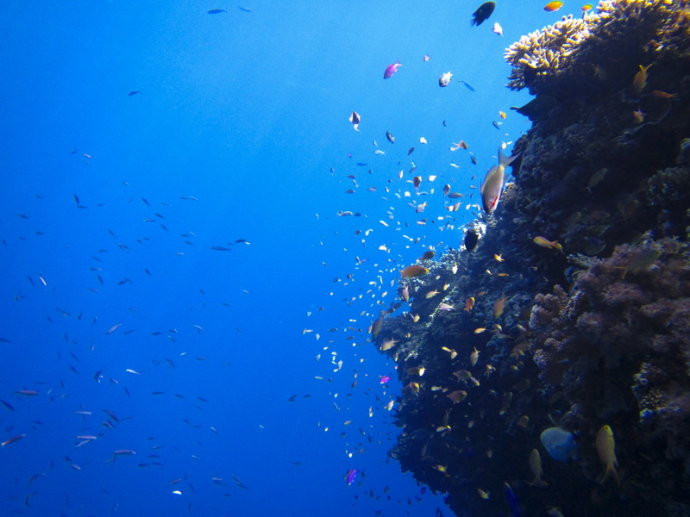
(422, 209)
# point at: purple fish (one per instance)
(391, 69)
(384, 379)
(351, 476)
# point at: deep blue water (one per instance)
(111, 204)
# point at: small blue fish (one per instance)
(468, 86)
(513, 503)
(559, 443)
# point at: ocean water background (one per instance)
(221, 368)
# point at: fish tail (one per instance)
(610, 469)
(614, 472)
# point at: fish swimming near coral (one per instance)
(471, 239)
(546, 243)
(553, 6)
(513, 503)
(413, 271)
(492, 186)
(559, 443)
(481, 14)
(606, 448)
(378, 324)
(640, 79)
(535, 467)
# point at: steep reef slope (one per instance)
(512, 338)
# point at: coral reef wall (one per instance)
(507, 340)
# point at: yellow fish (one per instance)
(546, 243)
(606, 448)
(474, 356)
(535, 467)
(499, 306)
(640, 79)
(638, 116)
(388, 344)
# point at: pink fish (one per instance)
(384, 379)
(351, 476)
(391, 69)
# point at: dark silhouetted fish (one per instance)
(471, 239)
(482, 13)
(468, 86)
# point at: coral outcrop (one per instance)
(493, 351)
(591, 50)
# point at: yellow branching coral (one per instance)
(556, 51)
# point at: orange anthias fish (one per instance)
(553, 6)
(546, 243)
(499, 306)
(664, 95)
(469, 304)
(413, 271)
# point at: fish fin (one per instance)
(505, 160)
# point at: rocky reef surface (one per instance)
(517, 336)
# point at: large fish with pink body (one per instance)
(492, 186)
